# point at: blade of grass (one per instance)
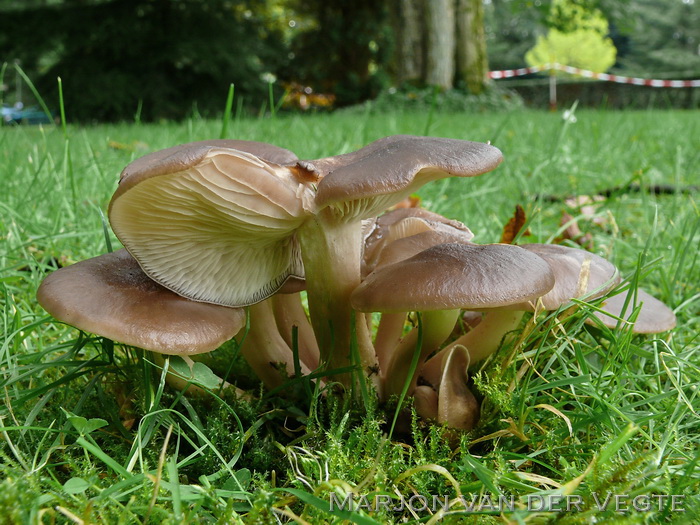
(227, 112)
(325, 506)
(34, 91)
(411, 372)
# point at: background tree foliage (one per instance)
(345, 50)
(664, 38)
(164, 56)
(580, 41)
(173, 57)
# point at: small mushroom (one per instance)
(449, 277)
(111, 296)
(397, 235)
(452, 403)
(425, 399)
(405, 222)
(578, 274)
(457, 406)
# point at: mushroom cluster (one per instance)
(223, 237)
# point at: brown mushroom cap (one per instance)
(406, 247)
(211, 223)
(455, 275)
(577, 273)
(364, 183)
(110, 296)
(381, 227)
(654, 316)
(407, 222)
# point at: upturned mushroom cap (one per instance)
(381, 229)
(577, 274)
(455, 275)
(407, 247)
(110, 296)
(364, 183)
(211, 223)
(654, 316)
(293, 285)
(403, 223)
(457, 406)
(181, 157)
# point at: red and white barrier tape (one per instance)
(509, 73)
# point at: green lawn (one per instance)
(592, 417)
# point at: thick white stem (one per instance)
(266, 352)
(332, 254)
(289, 312)
(481, 341)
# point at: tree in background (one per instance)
(440, 43)
(472, 59)
(581, 42)
(439, 27)
(408, 61)
(166, 57)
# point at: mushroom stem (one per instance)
(289, 312)
(265, 350)
(332, 252)
(389, 332)
(425, 399)
(437, 326)
(481, 341)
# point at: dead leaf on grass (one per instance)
(514, 225)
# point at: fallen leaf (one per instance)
(514, 225)
(134, 146)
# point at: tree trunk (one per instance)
(409, 55)
(440, 43)
(472, 61)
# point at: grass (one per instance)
(90, 433)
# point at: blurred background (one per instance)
(170, 59)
